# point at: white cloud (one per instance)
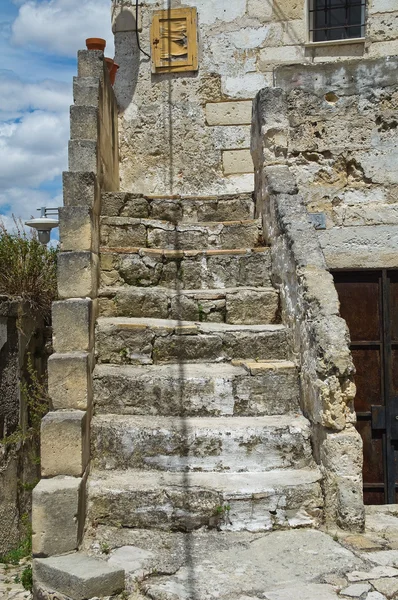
(34, 149)
(61, 26)
(17, 96)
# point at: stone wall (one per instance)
(59, 498)
(189, 133)
(310, 307)
(341, 143)
(22, 334)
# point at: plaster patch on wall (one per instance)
(245, 86)
(224, 10)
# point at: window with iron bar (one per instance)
(336, 19)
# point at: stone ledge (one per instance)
(78, 576)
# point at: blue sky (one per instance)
(39, 40)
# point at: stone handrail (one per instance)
(310, 307)
(59, 498)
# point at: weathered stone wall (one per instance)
(59, 498)
(189, 133)
(22, 334)
(341, 143)
(310, 307)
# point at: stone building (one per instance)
(203, 375)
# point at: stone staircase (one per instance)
(196, 404)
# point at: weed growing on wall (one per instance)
(35, 397)
(28, 269)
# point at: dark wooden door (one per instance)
(369, 304)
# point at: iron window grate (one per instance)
(337, 20)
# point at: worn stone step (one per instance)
(177, 209)
(152, 233)
(192, 389)
(192, 269)
(248, 305)
(123, 340)
(188, 501)
(235, 444)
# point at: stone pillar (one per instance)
(59, 498)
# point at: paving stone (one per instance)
(375, 573)
(308, 591)
(356, 590)
(362, 542)
(375, 596)
(278, 566)
(384, 558)
(133, 560)
(387, 586)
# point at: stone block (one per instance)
(347, 78)
(64, 443)
(260, 10)
(250, 306)
(381, 6)
(83, 155)
(229, 113)
(237, 161)
(81, 189)
(350, 508)
(77, 275)
(86, 91)
(284, 10)
(280, 54)
(280, 180)
(69, 381)
(90, 63)
(73, 325)
(371, 247)
(78, 576)
(84, 123)
(55, 515)
(341, 453)
(78, 229)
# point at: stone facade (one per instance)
(341, 144)
(189, 132)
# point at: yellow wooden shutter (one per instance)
(174, 40)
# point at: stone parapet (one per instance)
(93, 169)
(310, 308)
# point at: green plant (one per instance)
(35, 396)
(223, 509)
(34, 393)
(27, 269)
(105, 547)
(27, 578)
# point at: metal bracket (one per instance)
(318, 220)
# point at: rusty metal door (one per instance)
(369, 304)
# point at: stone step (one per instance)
(122, 232)
(158, 341)
(235, 444)
(260, 388)
(248, 305)
(188, 501)
(192, 269)
(177, 209)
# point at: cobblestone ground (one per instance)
(300, 564)
(11, 587)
